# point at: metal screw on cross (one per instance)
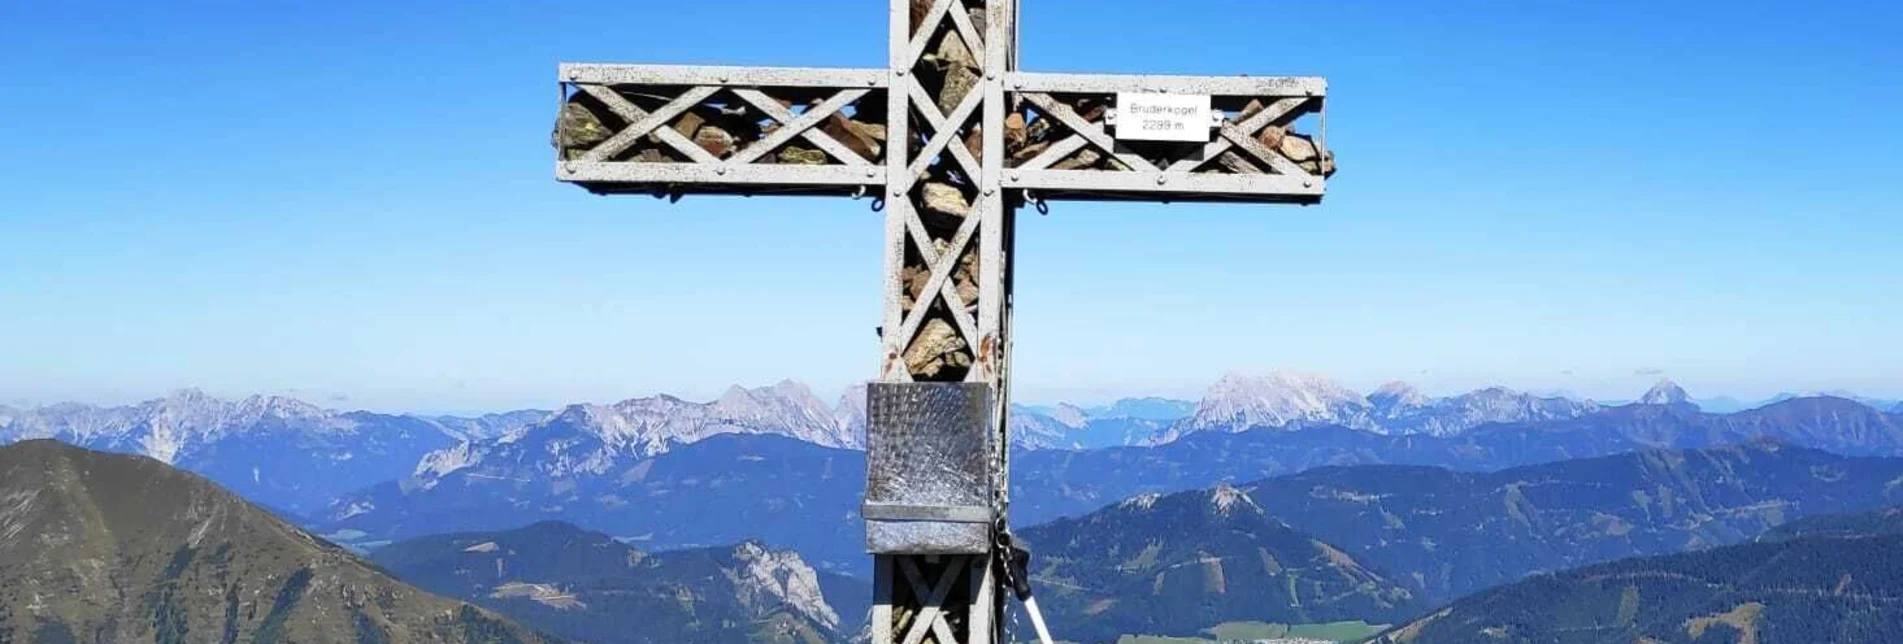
(957, 162)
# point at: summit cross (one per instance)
(950, 140)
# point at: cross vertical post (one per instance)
(947, 232)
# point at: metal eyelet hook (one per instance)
(878, 204)
(1043, 207)
(860, 193)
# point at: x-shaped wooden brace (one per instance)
(1242, 135)
(802, 126)
(940, 283)
(922, 37)
(931, 615)
(641, 123)
(1082, 132)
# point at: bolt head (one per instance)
(1162, 179)
(901, 72)
(720, 170)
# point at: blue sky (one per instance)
(352, 201)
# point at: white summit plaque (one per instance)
(1163, 117)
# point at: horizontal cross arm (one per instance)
(611, 74)
(1217, 85)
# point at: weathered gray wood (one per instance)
(946, 135)
(1213, 85)
(928, 110)
(1058, 151)
(1260, 186)
(640, 122)
(939, 284)
(1269, 114)
(714, 75)
(931, 612)
(802, 126)
(1092, 132)
(741, 177)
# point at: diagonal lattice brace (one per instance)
(801, 126)
(938, 123)
(1092, 132)
(1275, 160)
(944, 136)
(1272, 113)
(1057, 152)
(968, 33)
(939, 284)
(641, 122)
(931, 615)
(922, 35)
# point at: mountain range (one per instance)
(1843, 585)
(772, 486)
(590, 587)
(98, 547)
(296, 457)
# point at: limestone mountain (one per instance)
(1181, 563)
(1844, 588)
(590, 587)
(1444, 533)
(1665, 392)
(803, 496)
(1286, 400)
(277, 451)
(98, 547)
(788, 492)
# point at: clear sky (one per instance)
(353, 201)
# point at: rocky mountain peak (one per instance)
(1397, 394)
(781, 577)
(1239, 401)
(1070, 415)
(1225, 499)
(1665, 392)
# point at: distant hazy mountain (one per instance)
(115, 548)
(1163, 410)
(725, 489)
(1844, 589)
(1286, 400)
(489, 425)
(796, 494)
(1068, 427)
(277, 451)
(1177, 564)
(588, 586)
(1446, 533)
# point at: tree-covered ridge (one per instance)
(1446, 534)
(1812, 589)
(1877, 522)
(1178, 564)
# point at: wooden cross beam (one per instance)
(950, 139)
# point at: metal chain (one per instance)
(1001, 544)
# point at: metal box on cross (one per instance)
(931, 468)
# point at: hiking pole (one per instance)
(1017, 571)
